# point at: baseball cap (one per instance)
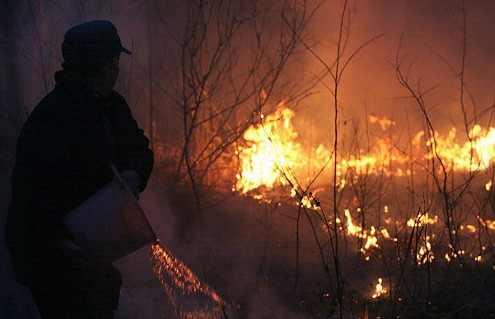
(91, 43)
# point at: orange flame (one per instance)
(272, 156)
(272, 152)
(379, 289)
(474, 155)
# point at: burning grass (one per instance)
(420, 219)
(415, 225)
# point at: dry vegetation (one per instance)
(385, 223)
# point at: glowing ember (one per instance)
(379, 289)
(425, 254)
(371, 239)
(369, 236)
(422, 220)
(488, 185)
(190, 297)
(351, 228)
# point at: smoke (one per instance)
(430, 32)
(430, 35)
(247, 254)
(244, 253)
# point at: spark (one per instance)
(190, 297)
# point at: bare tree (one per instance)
(230, 59)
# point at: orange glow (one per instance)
(271, 152)
(488, 186)
(384, 122)
(379, 289)
(425, 253)
(422, 220)
(370, 236)
(351, 228)
(272, 158)
(476, 154)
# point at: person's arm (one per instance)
(132, 142)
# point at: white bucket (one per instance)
(110, 224)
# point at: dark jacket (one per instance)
(63, 156)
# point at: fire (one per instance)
(379, 289)
(370, 237)
(271, 154)
(422, 220)
(474, 155)
(488, 186)
(425, 253)
(273, 158)
(351, 228)
(490, 224)
(384, 122)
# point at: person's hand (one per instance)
(131, 178)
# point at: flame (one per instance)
(422, 220)
(384, 122)
(271, 154)
(488, 185)
(371, 239)
(351, 228)
(474, 155)
(425, 253)
(382, 158)
(490, 224)
(370, 236)
(379, 289)
(272, 157)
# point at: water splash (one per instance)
(190, 297)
